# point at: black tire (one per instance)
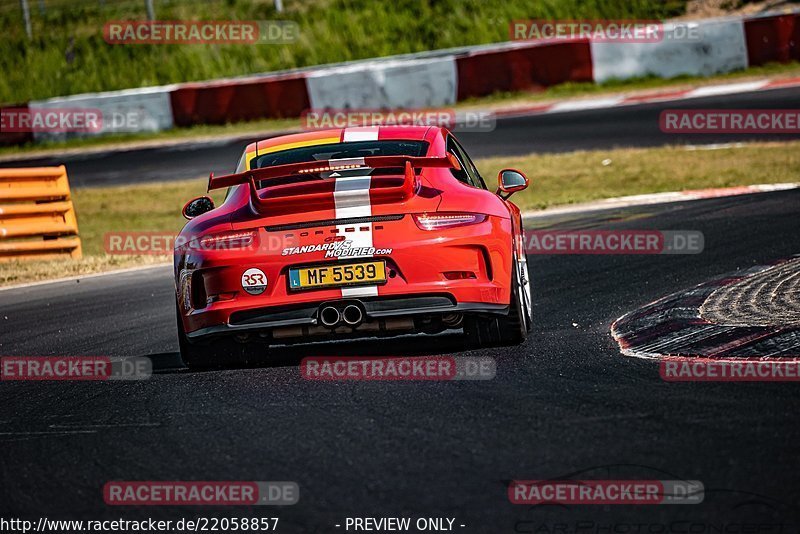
(527, 297)
(216, 353)
(511, 329)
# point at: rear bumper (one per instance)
(262, 319)
(211, 299)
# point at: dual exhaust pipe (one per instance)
(351, 315)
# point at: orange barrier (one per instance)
(37, 219)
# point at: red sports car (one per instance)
(369, 231)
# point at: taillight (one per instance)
(460, 275)
(440, 221)
(225, 241)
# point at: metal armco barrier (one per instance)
(37, 219)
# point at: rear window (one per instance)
(354, 149)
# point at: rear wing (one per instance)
(331, 165)
(409, 186)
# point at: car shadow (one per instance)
(291, 355)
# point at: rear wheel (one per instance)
(525, 295)
(511, 329)
(215, 353)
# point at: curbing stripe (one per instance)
(674, 327)
(660, 198)
(26, 285)
(633, 100)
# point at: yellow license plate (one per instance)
(337, 275)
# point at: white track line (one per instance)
(85, 276)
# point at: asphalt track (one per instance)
(564, 403)
(624, 126)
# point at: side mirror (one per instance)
(509, 181)
(197, 206)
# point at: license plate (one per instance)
(337, 275)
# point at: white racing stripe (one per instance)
(351, 199)
(362, 133)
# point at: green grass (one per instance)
(583, 176)
(68, 55)
(133, 208)
(555, 179)
(139, 208)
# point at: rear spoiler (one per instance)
(409, 187)
(313, 167)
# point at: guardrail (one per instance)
(37, 219)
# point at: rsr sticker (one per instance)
(254, 281)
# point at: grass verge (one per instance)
(556, 179)
(132, 208)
